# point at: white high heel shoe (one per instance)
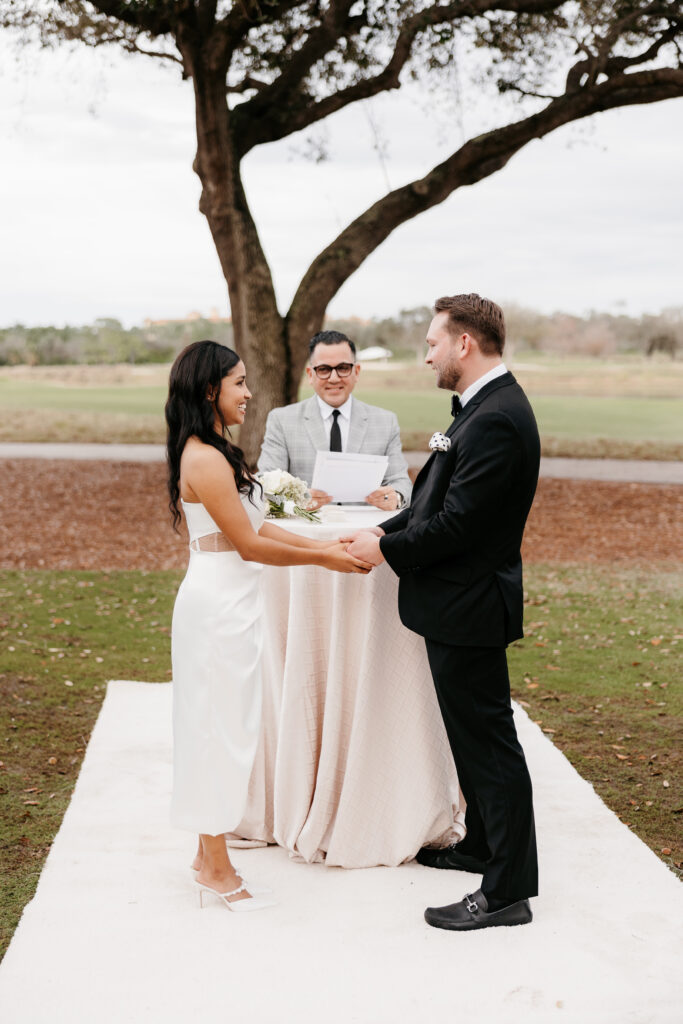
(238, 906)
(255, 890)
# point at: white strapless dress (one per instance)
(216, 654)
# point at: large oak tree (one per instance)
(264, 69)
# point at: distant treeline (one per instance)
(598, 334)
(107, 341)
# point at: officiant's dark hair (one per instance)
(481, 317)
(329, 338)
(196, 374)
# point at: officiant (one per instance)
(333, 420)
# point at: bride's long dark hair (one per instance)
(196, 373)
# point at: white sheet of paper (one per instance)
(348, 476)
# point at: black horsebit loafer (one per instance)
(472, 913)
(450, 859)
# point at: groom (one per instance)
(457, 553)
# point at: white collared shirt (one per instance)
(344, 420)
(472, 390)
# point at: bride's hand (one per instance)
(337, 558)
(325, 545)
(349, 539)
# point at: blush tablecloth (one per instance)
(353, 765)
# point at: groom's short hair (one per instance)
(480, 317)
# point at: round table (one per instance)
(353, 767)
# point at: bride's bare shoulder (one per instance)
(198, 450)
(202, 466)
(198, 456)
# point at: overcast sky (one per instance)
(99, 217)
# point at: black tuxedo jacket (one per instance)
(457, 547)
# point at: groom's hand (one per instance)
(377, 530)
(365, 546)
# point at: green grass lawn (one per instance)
(46, 396)
(572, 418)
(650, 419)
(600, 668)
(632, 419)
(62, 636)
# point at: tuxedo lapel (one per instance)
(357, 426)
(461, 418)
(424, 472)
(488, 389)
(422, 475)
(314, 425)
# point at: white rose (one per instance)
(272, 481)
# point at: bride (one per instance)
(216, 632)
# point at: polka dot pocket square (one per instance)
(439, 442)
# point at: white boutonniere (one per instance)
(287, 495)
(439, 442)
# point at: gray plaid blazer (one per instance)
(294, 433)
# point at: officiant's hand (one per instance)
(318, 499)
(365, 547)
(385, 498)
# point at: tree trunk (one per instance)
(260, 332)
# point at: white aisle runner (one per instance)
(114, 934)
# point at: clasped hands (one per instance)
(364, 545)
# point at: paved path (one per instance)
(624, 470)
(114, 934)
(84, 452)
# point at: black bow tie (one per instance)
(456, 407)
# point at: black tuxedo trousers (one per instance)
(473, 689)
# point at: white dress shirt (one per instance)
(344, 420)
(472, 390)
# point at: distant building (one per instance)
(366, 355)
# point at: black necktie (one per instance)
(456, 407)
(335, 432)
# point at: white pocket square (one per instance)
(439, 442)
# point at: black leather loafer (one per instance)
(450, 859)
(472, 913)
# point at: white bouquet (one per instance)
(287, 495)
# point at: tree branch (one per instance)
(267, 106)
(246, 14)
(586, 72)
(284, 107)
(246, 85)
(477, 159)
(157, 19)
(206, 14)
(618, 64)
(505, 86)
(132, 47)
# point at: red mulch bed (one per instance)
(100, 515)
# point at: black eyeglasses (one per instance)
(324, 372)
